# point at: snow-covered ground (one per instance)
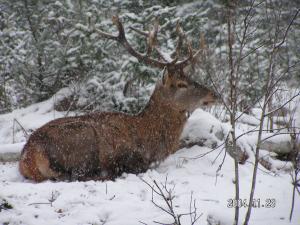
(128, 200)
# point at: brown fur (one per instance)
(103, 145)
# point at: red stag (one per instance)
(103, 145)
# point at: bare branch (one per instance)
(287, 29)
(280, 107)
(167, 195)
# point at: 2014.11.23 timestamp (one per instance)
(256, 203)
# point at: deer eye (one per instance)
(182, 85)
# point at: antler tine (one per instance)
(106, 35)
(190, 49)
(180, 35)
(188, 60)
(202, 43)
(121, 38)
(152, 42)
(152, 37)
(121, 35)
(191, 57)
(146, 34)
(143, 33)
(116, 21)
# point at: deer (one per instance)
(104, 145)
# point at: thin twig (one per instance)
(167, 195)
(280, 107)
(23, 129)
(287, 29)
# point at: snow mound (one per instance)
(204, 129)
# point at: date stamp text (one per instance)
(256, 203)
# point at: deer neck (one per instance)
(163, 109)
(164, 122)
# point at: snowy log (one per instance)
(280, 144)
(11, 152)
(267, 161)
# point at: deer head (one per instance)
(185, 93)
(175, 86)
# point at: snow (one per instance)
(58, 4)
(30, 118)
(166, 56)
(275, 164)
(202, 126)
(248, 119)
(180, 12)
(12, 148)
(127, 200)
(280, 138)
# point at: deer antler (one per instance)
(151, 42)
(121, 38)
